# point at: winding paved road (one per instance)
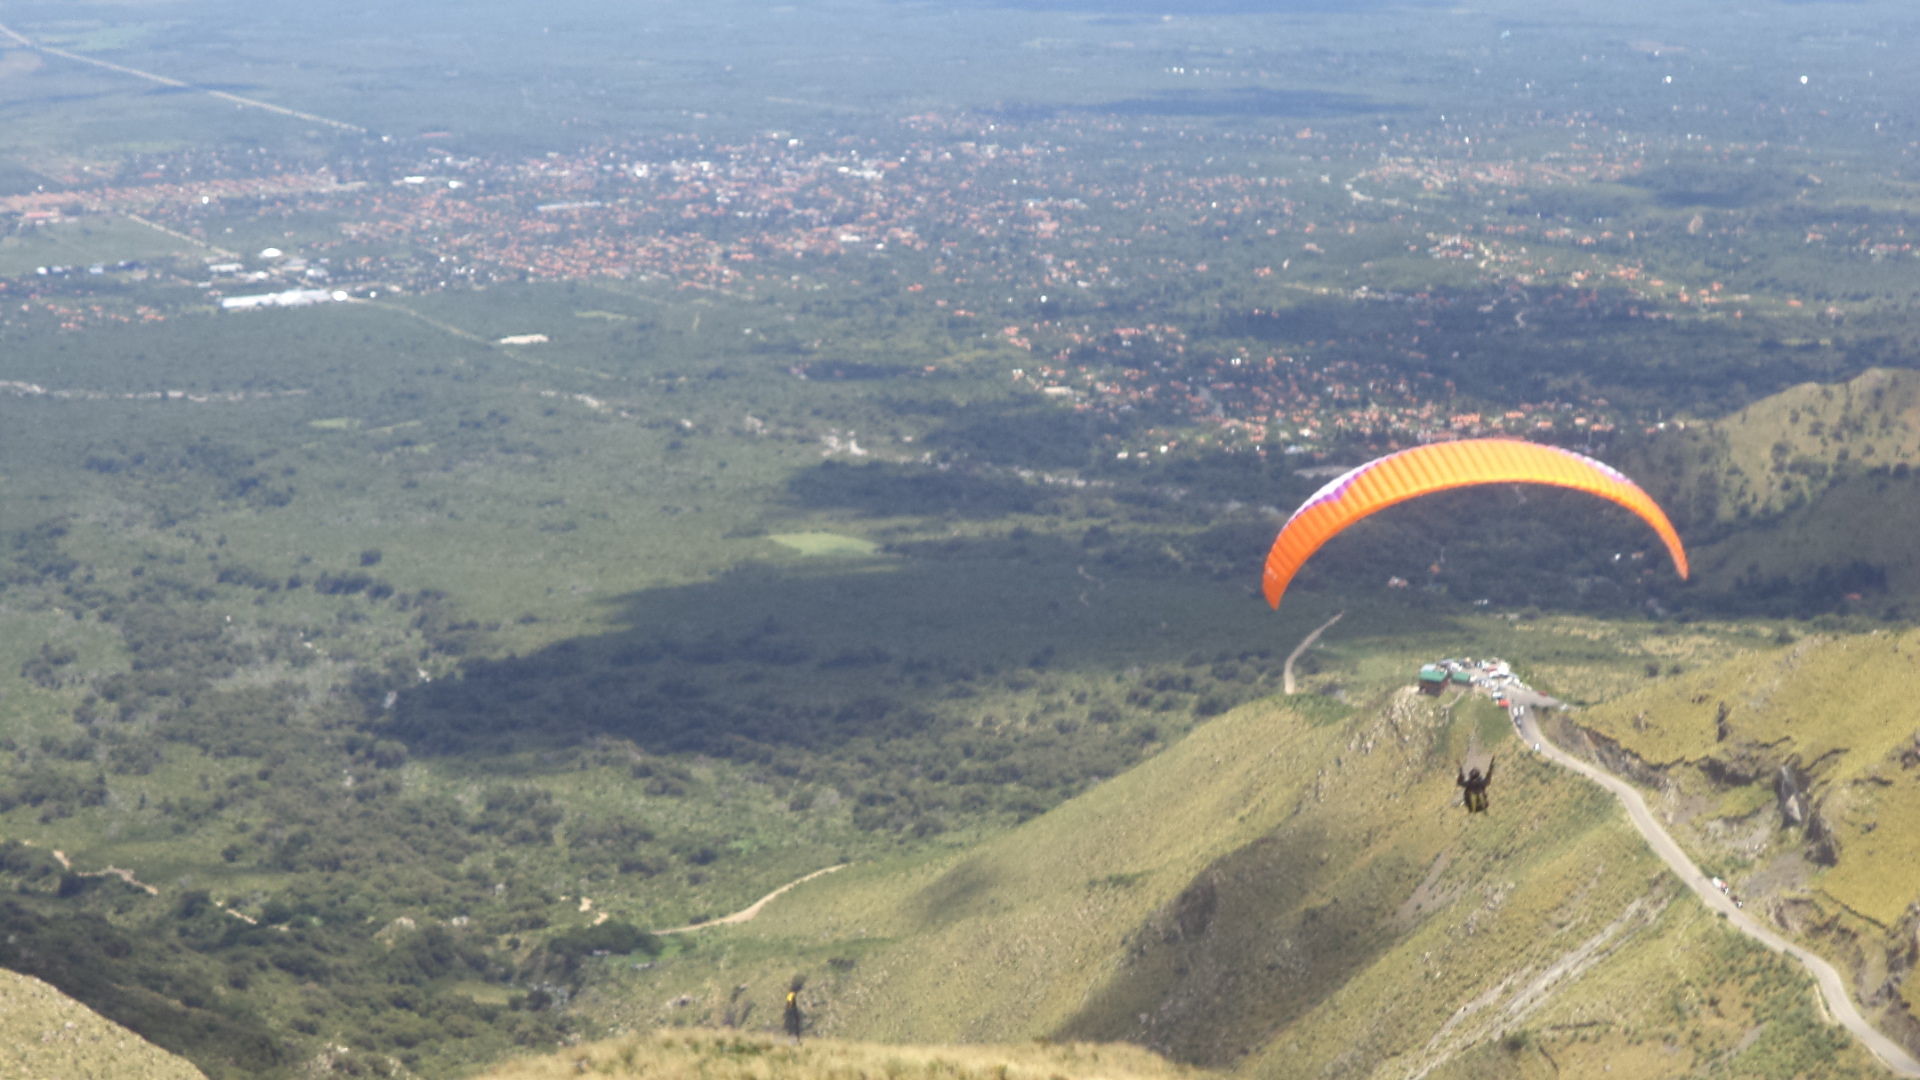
(1833, 988)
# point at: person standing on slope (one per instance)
(794, 1020)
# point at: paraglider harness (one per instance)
(1474, 788)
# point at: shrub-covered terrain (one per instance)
(713, 457)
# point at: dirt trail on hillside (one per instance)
(748, 913)
(1833, 988)
(1286, 671)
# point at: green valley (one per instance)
(487, 497)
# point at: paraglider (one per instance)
(1473, 787)
(1422, 470)
(1474, 776)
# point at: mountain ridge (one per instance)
(1350, 921)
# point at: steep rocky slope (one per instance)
(1795, 774)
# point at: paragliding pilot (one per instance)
(1473, 787)
(793, 1008)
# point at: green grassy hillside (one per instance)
(1784, 445)
(729, 1055)
(46, 1033)
(1791, 772)
(1800, 503)
(1289, 891)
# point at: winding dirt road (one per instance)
(1286, 671)
(1833, 988)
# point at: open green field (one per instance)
(81, 245)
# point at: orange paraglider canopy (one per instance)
(1421, 470)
